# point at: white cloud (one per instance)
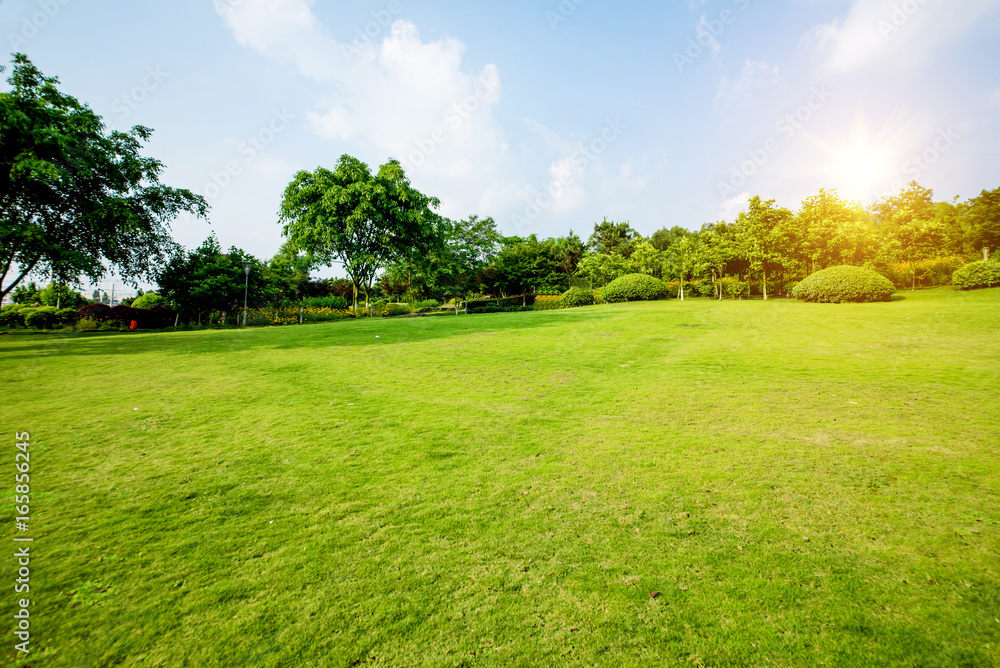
(409, 98)
(894, 35)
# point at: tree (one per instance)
(207, 280)
(613, 238)
(450, 268)
(664, 238)
(61, 296)
(830, 231)
(911, 232)
(682, 257)
(362, 220)
(760, 235)
(569, 251)
(646, 259)
(523, 265)
(718, 245)
(984, 218)
(601, 269)
(74, 199)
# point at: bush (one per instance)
(426, 303)
(150, 300)
(43, 317)
(546, 302)
(87, 325)
(845, 284)
(503, 303)
(705, 289)
(982, 274)
(736, 289)
(634, 287)
(598, 297)
(577, 297)
(790, 287)
(332, 301)
(499, 308)
(67, 316)
(94, 311)
(10, 315)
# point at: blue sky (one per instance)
(547, 116)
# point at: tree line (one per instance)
(78, 201)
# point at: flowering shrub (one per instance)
(547, 302)
(935, 271)
(845, 284)
(290, 316)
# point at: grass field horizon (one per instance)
(700, 482)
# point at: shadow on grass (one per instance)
(317, 336)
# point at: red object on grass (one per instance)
(133, 325)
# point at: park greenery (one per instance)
(78, 202)
(73, 197)
(635, 453)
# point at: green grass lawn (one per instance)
(803, 484)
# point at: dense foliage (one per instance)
(983, 274)
(150, 300)
(845, 284)
(75, 199)
(635, 287)
(362, 220)
(577, 297)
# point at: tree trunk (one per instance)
(913, 270)
(763, 282)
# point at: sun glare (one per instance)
(860, 172)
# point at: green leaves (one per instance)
(362, 220)
(74, 198)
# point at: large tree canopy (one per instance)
(74, 199)
(364, 221)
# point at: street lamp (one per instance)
(246, 284)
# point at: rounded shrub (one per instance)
(634, 288)
(576, 297)
(982, 274)
(844, 284)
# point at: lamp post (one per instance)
(246, 285)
